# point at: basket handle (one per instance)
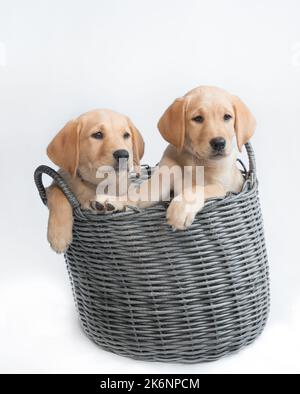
(38, 174)
(252, 161)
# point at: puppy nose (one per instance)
(121, 154)
(218, 144)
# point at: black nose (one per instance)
(218, 144)
(121, 154)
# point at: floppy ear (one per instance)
(172, 125)
(64, 148)
(138, 145)
(245, 122)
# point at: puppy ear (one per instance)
(64, 148)
(138, 146)
(245, 123)
(172, 125)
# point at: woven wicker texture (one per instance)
(149, 293)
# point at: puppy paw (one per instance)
(181, 215)
(107, 204)
(59, 238)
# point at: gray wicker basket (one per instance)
(146, 292)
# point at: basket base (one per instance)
(163, 358)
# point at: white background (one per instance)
(61, 58)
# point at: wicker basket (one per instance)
(146, 292)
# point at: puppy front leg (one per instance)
(60, 222)
(184, 207)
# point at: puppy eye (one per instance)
(227, 117)
(198, 119)
(126, 135)
(98, 136)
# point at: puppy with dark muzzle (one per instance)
(95, 140)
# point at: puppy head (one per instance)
(205, 122)
(99, 138)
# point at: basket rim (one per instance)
(249, 189)
(250, 183)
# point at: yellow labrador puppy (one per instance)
(200, 128)
(100, 138)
